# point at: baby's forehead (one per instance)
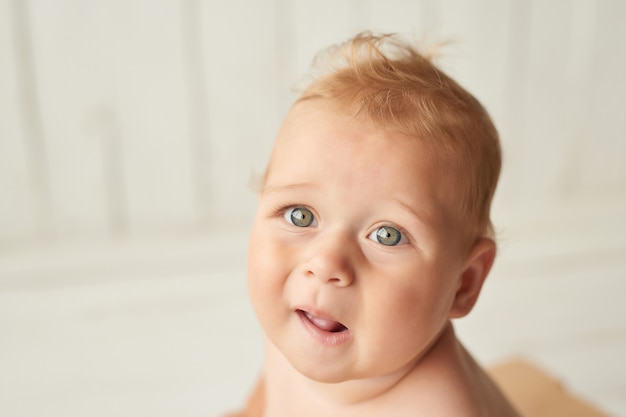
(317, 118)
(337, 115)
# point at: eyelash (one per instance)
(280, 211)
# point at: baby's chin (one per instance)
(323, 373)
(337, 373)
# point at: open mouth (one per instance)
(323, 324)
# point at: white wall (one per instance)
(133, 118)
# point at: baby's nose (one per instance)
(332, 260)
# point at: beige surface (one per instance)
(537, 394)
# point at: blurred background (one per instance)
(130, 130)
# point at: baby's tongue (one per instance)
(327, 325)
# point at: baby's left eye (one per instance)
(388, 236)
(300, 216)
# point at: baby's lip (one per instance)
(323, 321)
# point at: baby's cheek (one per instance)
(266, 289)
(264, 269)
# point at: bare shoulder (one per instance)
(486, 399)
(473, 395)
(450, 383)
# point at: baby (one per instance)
(372, 233)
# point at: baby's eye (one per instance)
(388, 236)
(299, 216)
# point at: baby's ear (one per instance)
(475, 270)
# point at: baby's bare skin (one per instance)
(446, 382)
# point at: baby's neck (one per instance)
(289, 393)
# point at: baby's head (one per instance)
(373, 226)
(387, 82)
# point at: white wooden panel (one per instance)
(431, 21)
(16, 214)
(324, 23)
(547, 144)
(195, 80)
(286, 49)
(69, 77)
(421, 19)
(396, 16)
(603, 164)
(146, 45)
(239, 55)
(580, 48)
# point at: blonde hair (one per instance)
(388, 81)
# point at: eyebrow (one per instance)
(286, 187)
(425, 220)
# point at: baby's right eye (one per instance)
(299, 216)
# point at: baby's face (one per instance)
(352, 271)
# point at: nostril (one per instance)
(330, 278)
